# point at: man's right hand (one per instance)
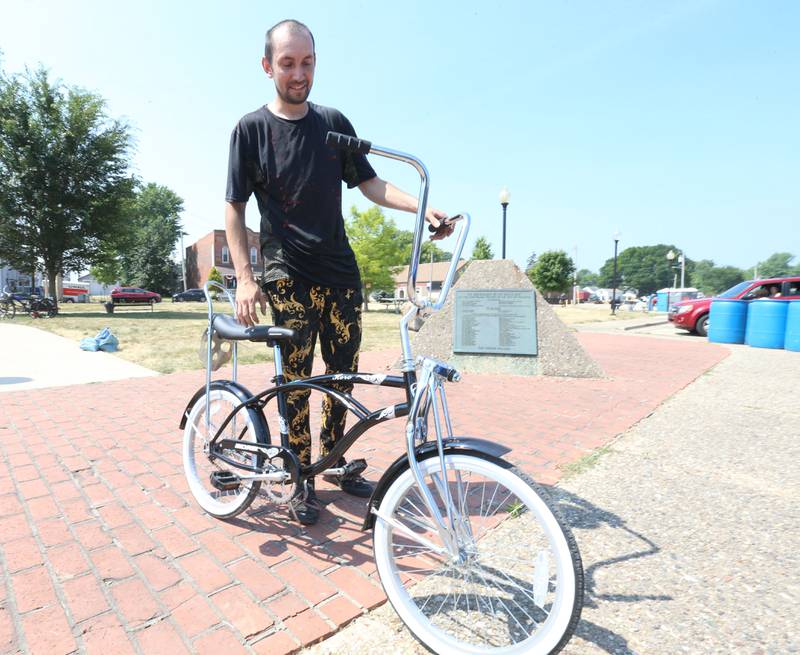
(248, 297)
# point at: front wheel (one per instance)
(200, 468)
(515, 583)
(702, 326)
(7, 310)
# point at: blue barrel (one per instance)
(727, 320)
(792, 341)
(766, 323)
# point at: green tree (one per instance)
(711, 279)
(645, 268)
(587, 278)
(406, 240)
(107, 271)
(215, 276)
(552, 271)
(379, 250)
(482, 249)
(530, 263)
(64, 179)
(778, 264)
(155, 227)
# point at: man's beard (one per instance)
(293, 99)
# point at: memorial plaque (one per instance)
(495, 322)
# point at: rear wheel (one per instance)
(200, 469)
(7, 310)
(516, 584)
(701, 326)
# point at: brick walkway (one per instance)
(104, 550)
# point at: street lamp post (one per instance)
(682, 261)
(505, 196)
(575, 279)
(670, 257)
(614, 281)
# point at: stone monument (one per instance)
(558, 352)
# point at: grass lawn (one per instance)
(168, 338)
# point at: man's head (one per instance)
(290, 59)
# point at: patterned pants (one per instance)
(335, 316)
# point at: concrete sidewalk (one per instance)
(105, 551)
(33, 359)
(687, 525)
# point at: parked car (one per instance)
(189, 295)
(134, 294)
(692, 315)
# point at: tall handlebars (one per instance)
(362, 146)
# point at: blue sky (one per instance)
(672, 122)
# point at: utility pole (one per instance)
(183, 261)
(575, 279)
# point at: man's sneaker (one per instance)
(356, 486)
(351, 481)
(307, 509)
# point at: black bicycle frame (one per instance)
(366, 418)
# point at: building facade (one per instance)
(17, 282)
(430, 277)
(212, 251)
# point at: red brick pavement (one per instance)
(102, 547)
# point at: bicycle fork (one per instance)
(430, 397)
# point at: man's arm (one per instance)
(385, 194)
(248, 293)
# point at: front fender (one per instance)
(460, 445)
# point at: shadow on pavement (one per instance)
(580, 514)
(326, 544)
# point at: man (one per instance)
(310, 279)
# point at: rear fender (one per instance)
(456, 445)
(243, 395)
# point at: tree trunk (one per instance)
(51, 284)
(365, 296)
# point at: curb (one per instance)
(643, 325)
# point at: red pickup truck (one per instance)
(692, 315)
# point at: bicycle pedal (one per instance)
(225, 480)
(354, 467)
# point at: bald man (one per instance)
(310, 279)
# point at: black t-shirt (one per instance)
(297, 180)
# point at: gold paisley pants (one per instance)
(333, 315)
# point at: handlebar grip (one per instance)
(347, 142)
(449, 373)
(446, 222)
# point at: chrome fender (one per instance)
(456, 445)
